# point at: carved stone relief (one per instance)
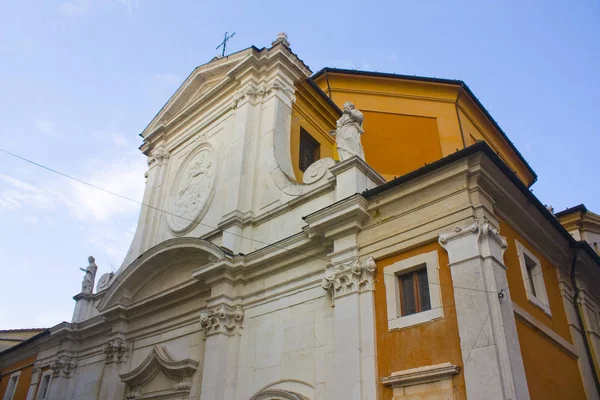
(222, 319)
(63, 366)
(349, 277)
(192, 190)
(115, 351)
(317, 169)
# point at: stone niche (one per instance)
(160, 377)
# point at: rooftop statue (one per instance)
(87, 286)
(348, 133)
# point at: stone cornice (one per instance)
(421, 375)
(339, 218)
(361, 165)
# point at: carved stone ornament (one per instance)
(222, 319)
(192, 190)
(479, 238)
(115, 351)
(353, 276)
(316, 170)
(281, 38)
(348, 133)
(179, 372)
(255, 94)
(159, 154)
(104, 281)
(87, 285)
(63, 366)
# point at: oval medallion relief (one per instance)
(192, 190)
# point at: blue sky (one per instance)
(79, 79)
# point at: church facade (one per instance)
(338, 235)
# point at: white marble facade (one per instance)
(221, 295)
(241, 283)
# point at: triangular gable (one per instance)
(198, 83)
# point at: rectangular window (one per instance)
(310, 150)
(12, 386)
(533, 278)
(44, 386)
(414, 292)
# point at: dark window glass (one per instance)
(414, 292)
(424, 300)
(530, 264)
(409, 304)
(310, 150)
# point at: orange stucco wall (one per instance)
(410, 140)
(421, 345)
(551, 372)
(398, 144)
(311, 115)
(25, 366)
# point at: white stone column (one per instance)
(116, 351)
(492, 362)
(36, 374)
(350, 284)
(222, 327)
(62, 371)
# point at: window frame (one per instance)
(392, 275)
(316, 148)
(538, 296)
(44, 374)
(10, 396)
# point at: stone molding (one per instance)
(159, 360)
(63, 366)
(159, 154)
(256, 93)
(420, 375)
(361, 165)
(116, 351)
(522, 315)
(486, 242)
(349, 277)
(222, 319)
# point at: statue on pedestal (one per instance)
(348, 133)
(87, 286)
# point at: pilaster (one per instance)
(63, 369)
(222, 325)
(36, 374)
(493, 366)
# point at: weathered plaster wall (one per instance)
(551, 372)
(421, 345)
(25, 366)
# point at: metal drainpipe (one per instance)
(580, 319)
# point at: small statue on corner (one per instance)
(348, 133)
(87, 286)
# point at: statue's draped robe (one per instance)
(349, 129)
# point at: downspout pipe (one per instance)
(580, 317)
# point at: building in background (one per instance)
(337, 235)
(17, 367)
(12, 337)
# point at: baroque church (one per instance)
(333, 235)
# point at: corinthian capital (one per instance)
(115, 350)
(159, 154)
(222, 319)
(350, 277)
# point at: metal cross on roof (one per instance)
(224, 43)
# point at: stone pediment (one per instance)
(201, 83)
(177, 384)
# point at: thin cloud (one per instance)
(75, 7)
(46, 127)
(17, 194)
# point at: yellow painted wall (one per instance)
(25, 366)
(317, 118)
(397, 144)
(551, 373)
(421, 345)
(459, 121)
